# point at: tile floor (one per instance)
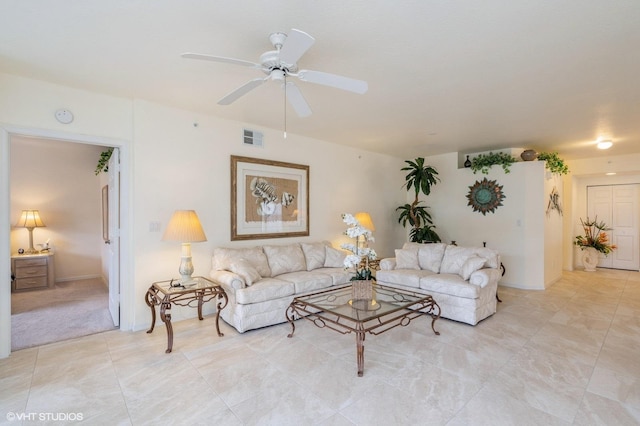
(566, 355)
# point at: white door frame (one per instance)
(126, 266)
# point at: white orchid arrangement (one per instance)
(358, 254)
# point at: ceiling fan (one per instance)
(282, 63)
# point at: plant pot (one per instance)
(590, 259)
(362, 290)
(529, 155)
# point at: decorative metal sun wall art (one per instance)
(485, 196)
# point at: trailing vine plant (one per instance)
(484, 162)
(554, 164)
(103, 162)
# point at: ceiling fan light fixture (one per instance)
(604, 144)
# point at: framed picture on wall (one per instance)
(269, 199)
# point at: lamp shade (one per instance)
(30, 219)
(365, 221)
(184, 227)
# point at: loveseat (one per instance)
(261, 281)
(462, 280)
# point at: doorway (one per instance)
(6, 134)
(72, 206)
(617, 207)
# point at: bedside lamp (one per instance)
(30, 219)
(185, 227)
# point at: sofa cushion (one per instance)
(304, 282)
(407, 259)
(263, 290)
(285, 258)
(222, 258)
(491, 256)
(404, 277)
(453, 259)
(472, 264)
(246, 271)
(338, 275)
(334, 258)
(429, 255)
(451, 284)
(314, 254)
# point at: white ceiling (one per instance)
(444, 75)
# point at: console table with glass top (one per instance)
(337, 310)
(166, 293)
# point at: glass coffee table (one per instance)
(337, 310)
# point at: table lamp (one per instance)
(364, 219)
(30, 219)
(185, 227)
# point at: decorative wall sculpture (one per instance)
(485, 196)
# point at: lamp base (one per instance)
(188, 282)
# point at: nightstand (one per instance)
(32, 271)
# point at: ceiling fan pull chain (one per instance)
(285, 105)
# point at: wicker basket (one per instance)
(362, 290)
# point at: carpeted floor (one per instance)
(72, 309)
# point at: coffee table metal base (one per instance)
(360, 327)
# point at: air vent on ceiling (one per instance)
(251, 137)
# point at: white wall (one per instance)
(27, 107)
(57, 178)
(182, 166)
(516, 229)
(169, 164)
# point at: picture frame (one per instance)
(105, 213)
(269, 199)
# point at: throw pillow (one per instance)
(222, 258)
(246, 271)
(284, 259)
(407, 259)
(334, 258)
(453, 259)
(315, 254)
(471, 265)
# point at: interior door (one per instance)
(625, 227)
(114, 236)
(617, 206)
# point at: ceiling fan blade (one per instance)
(297, 101)
(297, 43)
(221, 59)
(337, 81)
(242, 90)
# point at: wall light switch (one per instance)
(154, 226)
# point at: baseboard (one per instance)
(80, 277)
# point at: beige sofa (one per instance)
(261, 281)
(462, 280)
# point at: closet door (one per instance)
(617, 207)
(625, 227)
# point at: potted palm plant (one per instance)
(420, 178)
